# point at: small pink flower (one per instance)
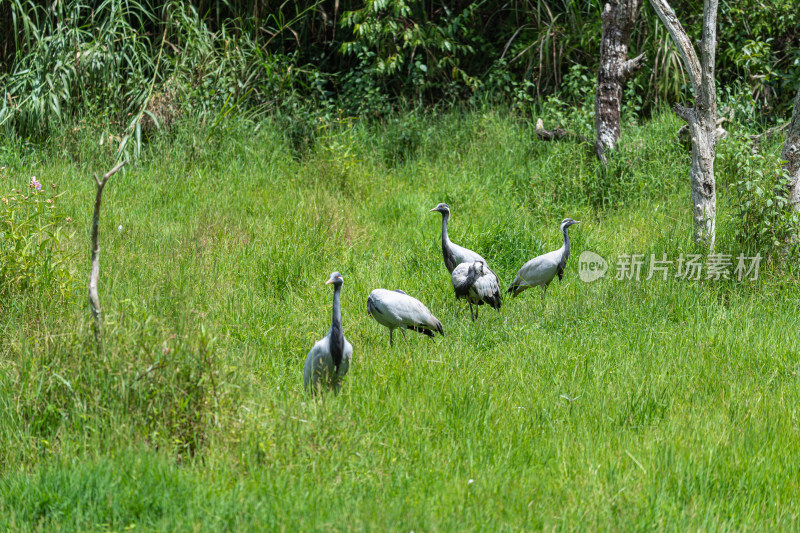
(35, 184)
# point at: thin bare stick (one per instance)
(94, 299)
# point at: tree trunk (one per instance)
(619, 18)
(702, 118)
(791, 154)
(704, 199)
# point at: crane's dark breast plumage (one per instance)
(462, 289)
(449, 258)
(562, 265)
(337, 345)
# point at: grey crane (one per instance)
(455, 255)
(541, 270)
(329, 359)
(477, 284)
(396, 309)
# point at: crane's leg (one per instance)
(471, 312)
(391, 337)
(403, 331)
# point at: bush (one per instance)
(761, 214)
(33, 255)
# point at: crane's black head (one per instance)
(442, 208)
(336, 279)
(567, 222)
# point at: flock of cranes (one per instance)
(472, 279)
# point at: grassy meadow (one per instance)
(612, 405)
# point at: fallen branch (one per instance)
(94, 299)
(558, 134)
(767, 135)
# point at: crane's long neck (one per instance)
(445, 238)
(566, 243)
(447, 252)
(336, 333)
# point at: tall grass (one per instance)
(611, 405)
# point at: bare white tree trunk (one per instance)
(619, 19)
(791, 154)
(702, 118)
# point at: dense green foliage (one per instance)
(612, 405)
(133, 64)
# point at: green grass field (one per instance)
(616, 405)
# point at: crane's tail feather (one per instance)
(421, 329)
(494, 300)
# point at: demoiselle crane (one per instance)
(455, 255)
(396, 309)
(329, 359)
(541, 270)
(477, 284)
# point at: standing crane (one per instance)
(329, 359)
(396, 309)
(453, 254)
(477, 284)
(541, 270)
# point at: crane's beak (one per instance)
(328, 282)
(434, 209)
(577, 222)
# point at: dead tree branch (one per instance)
(557, 134)
(757, 140)
(94, 299)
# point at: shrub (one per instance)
(33, 255)
(761, 214)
